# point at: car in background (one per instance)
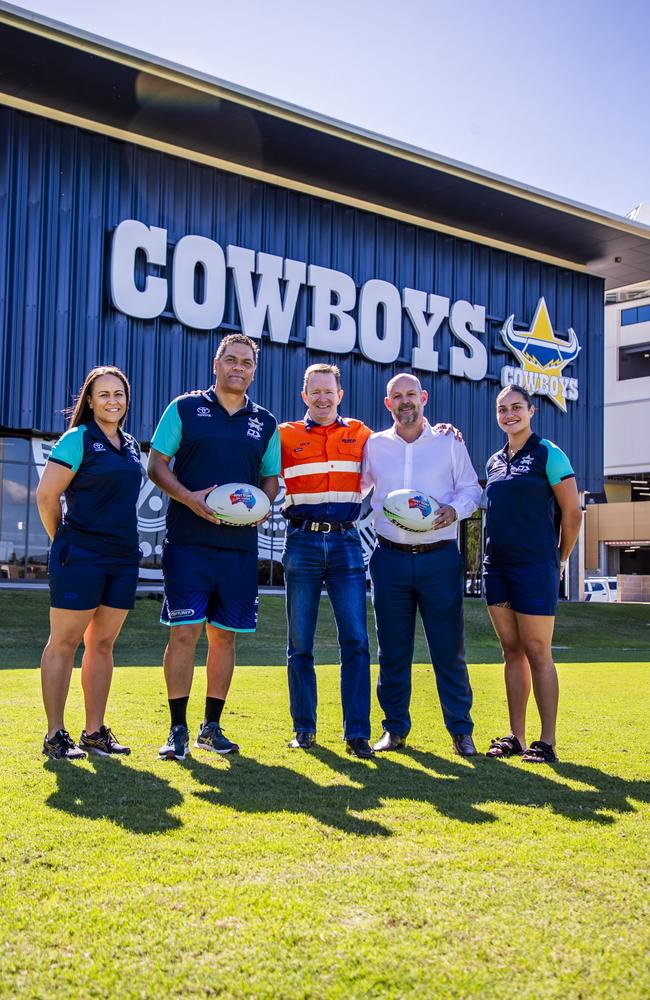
(600, 589)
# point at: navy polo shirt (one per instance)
(211, 447)
(102, 499)
(522, 516)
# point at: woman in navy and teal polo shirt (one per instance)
(532, 523)
(93, 564)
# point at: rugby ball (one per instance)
(411, 510)
(238, 503)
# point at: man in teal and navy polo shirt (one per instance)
(209, 568)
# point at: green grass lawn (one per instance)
(280, 874)
(584, 632)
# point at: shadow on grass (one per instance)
(459, 790)
(536, 786)
(137, 800)
(249, 786)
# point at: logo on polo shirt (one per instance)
(524, 464)
(98, 446)
(203, 411)
(254, 428)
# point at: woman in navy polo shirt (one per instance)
(532, 523)
(93, 564)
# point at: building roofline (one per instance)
(608, 229)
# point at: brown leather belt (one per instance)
(414, 549)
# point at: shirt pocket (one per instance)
(349, 451)
(308, 453)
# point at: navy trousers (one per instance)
(431, 582)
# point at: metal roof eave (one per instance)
(405, 182)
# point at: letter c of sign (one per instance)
(129, 237)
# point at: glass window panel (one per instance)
(14, 497)
(628, 316)
(643, 314)
(14, 450)
(634, 362)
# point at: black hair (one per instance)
(81, 412)
(517, 388)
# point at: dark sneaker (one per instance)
(302, 741)
(102, 743)
(62, 745)
(211, 738)
(540, 753)
(177, 746)
(360, 748)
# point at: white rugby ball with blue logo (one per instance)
(411, 510)
(238, 503)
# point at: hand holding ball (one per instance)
(238, 504)
(411, 510)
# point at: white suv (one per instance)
(600, 589)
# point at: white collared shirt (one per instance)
(436, 464)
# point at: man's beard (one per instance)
(408, 415)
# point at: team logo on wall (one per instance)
(543, 356)
(151, 511)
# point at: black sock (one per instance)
(178, 711)
(213, 709)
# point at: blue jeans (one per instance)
(313, 559)
(433, 583)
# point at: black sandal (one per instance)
(505, 746)
(540, 753)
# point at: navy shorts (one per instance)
(81, 579)
(210, 584)
(528, 588)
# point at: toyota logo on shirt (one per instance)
(203, 411)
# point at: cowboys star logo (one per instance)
(543, 356)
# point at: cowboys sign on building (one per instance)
(267, 289)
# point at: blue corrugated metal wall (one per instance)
(63, 191)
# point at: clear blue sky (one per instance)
(552, 93)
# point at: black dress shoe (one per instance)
(464, 745)
(360, 748)
(302, 741)
(389, 742)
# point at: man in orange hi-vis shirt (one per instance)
(321, 466)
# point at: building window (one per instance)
(639, 314)
(634, 362)
(17, 483)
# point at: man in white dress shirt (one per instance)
(422, 571)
